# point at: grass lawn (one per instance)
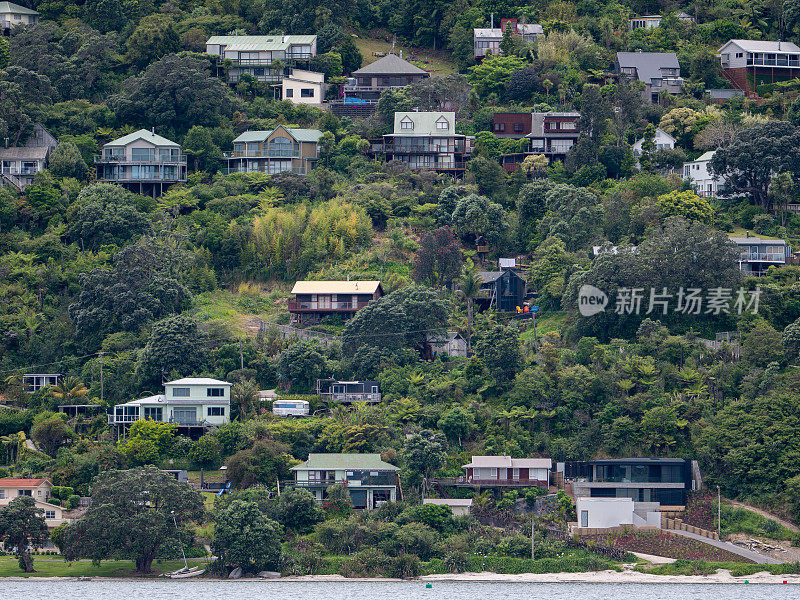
(54, 566)
(439, 63)
(549, 321)
(237, 310)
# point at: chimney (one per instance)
(492, 21)
(153, 130)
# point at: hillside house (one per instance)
(279, 150)
(644, 22)
(486, 40)
(704, 182)
(33, 382)
(659, 71)
(662, 141)
(391, 71)
(425, 141)
(39, 490)
(757, 254)
(448, 343)
(265, 58)
(143, 162)
(749, 63)
(19, 164)
(512, 124)
(304, 87)
(504, 471)
(609, 513)
(461, 507)
(502, 290)
(13, 15)
(347, 392)
(195, 404)
(370, 481)
(662, 480)
(551, 133)
(311, 301)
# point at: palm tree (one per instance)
(68, 390)
(245, 394)
(470, 286)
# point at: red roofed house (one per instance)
(39, 490)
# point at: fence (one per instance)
(288, 332)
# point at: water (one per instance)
(361, 590)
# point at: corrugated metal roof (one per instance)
(425, 123)
(197, 381)
(448, 501)
(299, 135)
(648, 64)
(24, 152)
(345, 462)
(142, 134)
(763, 46)
(259, 42)
(743, 241)
(506, 462)
(335, 287)
(391, 64)
(10, 7)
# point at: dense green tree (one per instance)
(199, 144)
(298, 511)
(66, 161)
(493, 72)
(50, 434)
(153, 38)
(105, 214)
(244, 537)
(22, 528)
(301, 364)
(423, 453)
(438, 260)
(475, 216)
(351, 56)
(266, 462)
(499, 350)
(457, 424)
(175, 343)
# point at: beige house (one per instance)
(265, 58)
(275, 151)
(39, 490)
(304, 87)
(12, 15)
(460, 507)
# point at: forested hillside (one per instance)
(93, 276)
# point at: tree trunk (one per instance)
(25, 557)
(144, 563)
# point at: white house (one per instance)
(13, 14)
(304, 87)
(190, 402)
(739, 54)
(605, 513)
(460, 507)
(504, 471)
(33, 382)
(662, 140)
(39, 490)
(644, 22)
(699, 175)
(266, 58)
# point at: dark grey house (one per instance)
(348, 392)
(391, 71)
(502, 290)
(659, 71)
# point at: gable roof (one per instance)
(425, 123)
(142, 134)
(391, 64)
(299, 135)
(25, 152)
(648, 64)
(361, 462)
(336, 287)
(10, 7)
(259, 42)
(762, 46)
(743, 241)
(22, 483)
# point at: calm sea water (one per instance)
(359, 590)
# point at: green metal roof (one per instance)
(345, 462)
(259, 42)
(143, 134)
(299, 135)
(10, 7)
(425, 123)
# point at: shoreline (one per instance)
(601, 577)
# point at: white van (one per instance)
(291, 408)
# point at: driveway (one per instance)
(743, 552)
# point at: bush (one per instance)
(72, 502)
(456, 562)
(367, 563)
(405, 566)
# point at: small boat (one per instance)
(184, 573)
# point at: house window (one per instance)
(143, 154)
(499, 126)
(740, 55)
(154, 413)
(2, 493)
(374, 389)
(289, 93)
(215, 392)
(24, 493)
(584, 518)
(219, 411)
(444, 124)
(280, 146)
(518, 128)
(307, 93)
(49, 514)
(406, 123)
(180, 392)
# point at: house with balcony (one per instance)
(311, 301)
(347, 392)
(304, 87)
(551, 133)
(502, 290)
(33, 382)
(13, 15)
(750, 63)
(195, 404)
(487, 40)
(650, 480)
(659, 71)
(425, 141)
(366, 84)
(39, 490)
(369, 481)
(142, 162)
(504, 471)
(704, 182)
(19, 164)
(275, 151)
(512, 125)
(265, 58)
(757, 254)
(644, 22)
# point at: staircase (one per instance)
(14, 181)
(738, 79)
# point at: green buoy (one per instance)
(746, 581)
(428, 585)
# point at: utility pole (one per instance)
(241, 355)
(719, 513)
(101, 376)
(533, 536)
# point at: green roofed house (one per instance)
(143, 162)
(275, 151)
(12, 15)
(266, 58)
(370, 481)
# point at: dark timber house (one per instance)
(313, 300)
(502, 290)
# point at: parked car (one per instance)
(291, 408)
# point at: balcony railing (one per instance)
(316, 482)
(242, 169)
(124, 160)
(26, 171)
(502, 482)
(257, 62)
(441, 148)
(352, 397)
(262, 154)
(763, 257)
(155, 177)
(341, 305)
(773, 62)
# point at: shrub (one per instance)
(405, 566)
(72, 502)
(456, 562)
(367, 563)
